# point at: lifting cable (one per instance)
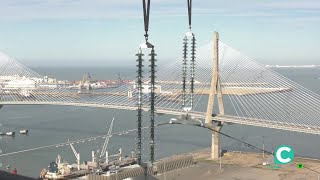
(189, 12)
(146, 15)
(189, 36)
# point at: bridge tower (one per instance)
(215, 89)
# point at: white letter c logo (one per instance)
(279, 157)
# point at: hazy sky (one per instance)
(104, 32)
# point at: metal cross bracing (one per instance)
(253, 94)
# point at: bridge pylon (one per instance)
(215, 89)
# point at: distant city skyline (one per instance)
(103, 33)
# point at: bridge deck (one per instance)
(198, 115)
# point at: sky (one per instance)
(109, 32)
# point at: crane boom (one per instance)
(76, 154)
(74, 150)
(105, 144)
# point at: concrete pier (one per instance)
(215, 146)
(215, 89)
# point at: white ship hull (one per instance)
(10, 133)
(25, 131)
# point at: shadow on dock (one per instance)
(9, 176)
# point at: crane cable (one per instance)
(146, 15)
(189, 12)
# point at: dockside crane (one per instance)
(103, 152)
(76, 154)
(105, 144)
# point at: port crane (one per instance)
(103, 150)
(105, 144)
(77, 155)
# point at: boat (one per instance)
(24, 131)
(10, 133)
(1, 133)
(172, 120)
(99, 163)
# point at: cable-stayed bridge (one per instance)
(252, 93)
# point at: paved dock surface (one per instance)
(243, 166)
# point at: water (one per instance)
(56, 124)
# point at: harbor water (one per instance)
(56, 124)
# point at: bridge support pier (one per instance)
(1, 106)
(215, 144)
(215, 90)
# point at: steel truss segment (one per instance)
(152, 104)
(152, 97)
(189, 57)
(139, 105)
(184, 70)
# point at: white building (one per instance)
(20, 83)
(146, 88)
(9, 78)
